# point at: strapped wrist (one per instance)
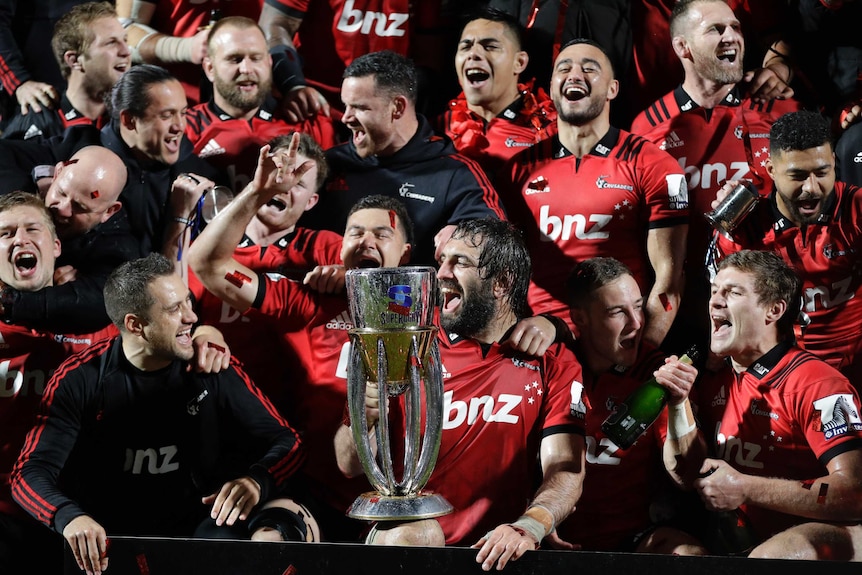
(286, 69)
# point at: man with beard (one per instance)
(532, 407)
(242, 115)
(812, 221)
(785, 427)
(90, 46)
(711, 125)
(394, 152)
(596, 190)
(495, 117)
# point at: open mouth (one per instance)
(574, 93)
(720, 325)
(808, 206)
(185, 336)
(25, 262)
(476, 75)
(368, 263)
(451, 298)
(277, 204)
(728, 55)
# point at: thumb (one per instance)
(748, 76)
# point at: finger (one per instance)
(94, 553)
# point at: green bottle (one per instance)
(633, 417)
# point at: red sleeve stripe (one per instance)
(489, 194)
(8, 78)
(30, 501)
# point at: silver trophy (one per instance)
(393, 343)
(733, 208)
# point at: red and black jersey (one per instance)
(603, 204)
(27, 360)
(620, 484)
(785, 416)
(184, 18)
(727, 142)
(497, 408)
(49, 122)
(233, 144)
(253, 339)
(527, 120)
(825, 256)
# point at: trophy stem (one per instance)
(384, 440)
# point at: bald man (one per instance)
(83, 199)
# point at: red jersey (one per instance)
(497, 407)
(785, 416)
(335, 32)
(620, 485)
(825, 256)
(529, 119)
(253, 338)
(183, 18)
(603, 204)
(233, 144)
(27, 360)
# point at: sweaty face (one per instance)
(804, 180)
(283, 210)
(739, 322)
(158, 132)
(369, 115)
(611, 324)
(372, 240)
(240, 68)
(108, 56)
(488, 63)
(582, 84)
(27, 249)
(168, 332)
(716, 43)
(468, 300)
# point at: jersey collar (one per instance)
(602, 148)
(266, 112)
(767, 362)
(686, 103)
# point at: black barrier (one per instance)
(146, 556)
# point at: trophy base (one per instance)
(372, 506)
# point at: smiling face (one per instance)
(240, 67)
(84, 194)
(158, 132)
(108, 56)
(804, 180)
(488, 63)
(370, 115)
(28, 249)
(611, 324)
(283, 211)
(582, 84)
(168, 329)
(469, 304)
(715, 44)
(372, 239)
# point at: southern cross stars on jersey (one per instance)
(233, 144)
(825, 255)
(785, 416)
(620, 485)
(254, 339)
(497, 408)
(524, 122)
(600, 205)
(730, 141)
(27, 360)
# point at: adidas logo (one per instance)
(671, 141)
(341, 321)
(720, 398)
(211, 149)
(32, 132)
(858, 158)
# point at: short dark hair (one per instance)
(131, 93)
(504, 257)
(393, 73)
(800, 130)
(72, 31)
(380, 202)
(309, 148)
(594, 44)
(26, 199)
(680, 10)
(591, 275)
(774, 281)
(128, 287)
(509, 22)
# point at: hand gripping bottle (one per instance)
(632, 417)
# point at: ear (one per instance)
(502, 285)
(405, 254)
(770, 169)
(680, 48)
(134, 324)
(521, 61)
(613, 89)
(776, 311)
(58, 248)
(579, 318)
(71, 59)
(399, 107)
(127, 120)
(207, 64)
(113, 209)
(312, 201)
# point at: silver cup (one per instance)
(393, 343)
(734, 208)
(213, 201)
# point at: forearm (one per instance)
(346, 455)
(666, 254)
(685, 448)
(76, 307)
(661, 308)
(559, 492)
(834, 497)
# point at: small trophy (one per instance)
(733, 209)
(393, 343)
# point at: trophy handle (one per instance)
(356, 385)
(423, 466)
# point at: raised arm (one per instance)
(666, 253)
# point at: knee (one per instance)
(422, 533)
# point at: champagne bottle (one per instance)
(633, 416)
(730, 533)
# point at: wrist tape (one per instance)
(286, 69)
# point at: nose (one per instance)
(62, 206)
(189, 315)
(444, 272)
(810, 183)
(716, 300)
(244, 65)
(349, 115)
(124, 48)
(636, 320)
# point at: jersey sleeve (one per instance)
(664, 186)
(828, 409)
(565, 407)
(293, 305)
(471, 194)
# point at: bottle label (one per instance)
(620, 411)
